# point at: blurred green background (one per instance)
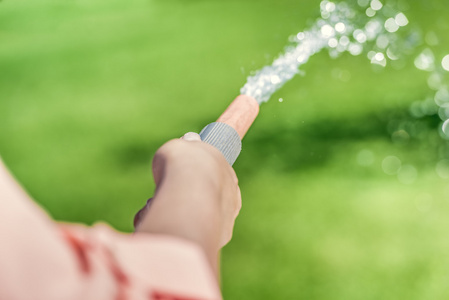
(90, 89)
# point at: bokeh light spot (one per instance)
(442, 168)
(425, 60)
(365, 158)
(391, 165)
(340, 27)
(333, 42)
(391, 54)
(382, 42)
(401, 19)
(275, 79)
(434, 81)
(442, 97)
(391, 25)
(363, 3)
(370, 12)
(376, 5)
(344, 41)
(445, 129)
(445, 62)
(359, 35)
(400, 137)
(327, 31)
(443, 113)
(355, 49)
(379, 56)
(330, 6)
(432, 39)
(407, 174)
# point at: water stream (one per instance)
(380, 32)
(370, 28)
(339, 29)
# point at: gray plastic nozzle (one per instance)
(224, 138)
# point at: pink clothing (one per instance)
(40, 259)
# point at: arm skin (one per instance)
(191, 217)
(197, 197)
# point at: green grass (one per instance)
(90, 89)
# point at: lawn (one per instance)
(90, 89)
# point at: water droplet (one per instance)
(330, 7)
(275, 79)
(373, 28)
(401, 19)
(391, 55)
(333, 35)
(445, 128)
(370, 12)
(445, 62)
(355, 49)
(365, 158)
(442, 97)
(382, 42)
(340, 27)
(344, 41)
(333, 43)
(301, 58)
(434, 81)
(363, 3)
(391, 165)
(379, 56)
(325, 14)
(371, 54)
(443, 113)
(281, 100)
(425, 61)
(360, 36)
(327, 31)
(429, 107)
(376, 5)
(391, 25)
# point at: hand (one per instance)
(197, 195)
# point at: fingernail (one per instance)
(141, 213)
(191, 136)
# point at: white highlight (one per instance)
(376, 5)
(391, 25)
(340, 27)
(445, 62)
(401, 19)
(327, 31)
(339, 30)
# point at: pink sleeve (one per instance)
(42, 260)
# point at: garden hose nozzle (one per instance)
(227, 132)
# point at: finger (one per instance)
(191, 136)
(142, 213)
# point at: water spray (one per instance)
(338, 30)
